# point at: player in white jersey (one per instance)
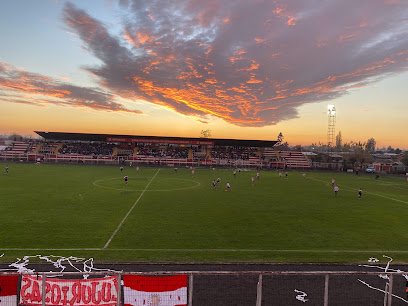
(336, 190)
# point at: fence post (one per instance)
(43, 289)
(390, 290)
(190, 290)
(259, 291)
(326, 290)
(119, 298)
(386, 292)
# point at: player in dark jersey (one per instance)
(126, 179)
(6, 169)
(360, 193)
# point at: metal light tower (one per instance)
(332, 126)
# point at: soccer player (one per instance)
(126, 179)
(121, 168)
(192, 173)
(6, 169)
(286, 174)
(235, 173)
(214, 185)
(228, 187)
(336, 190)
(257, 175)
(175, 170)
(280, 174)
(252, 180)
(333, 182)
(360, 193)
(304, 175)
(137, 169)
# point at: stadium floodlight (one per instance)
(331, 109)
(331, 112)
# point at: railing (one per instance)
(262, 287)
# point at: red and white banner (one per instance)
(8, 290)
(76, 292)
(158, 291)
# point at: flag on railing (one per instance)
(155, 290)
(73, 292)
(8, 290)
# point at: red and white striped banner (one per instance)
(161, 290)
(62, 292)
(8, 290)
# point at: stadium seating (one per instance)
(19, 148)
(155, 154)
(294, 159)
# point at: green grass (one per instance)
(74, 210)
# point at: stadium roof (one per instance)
(155, 139)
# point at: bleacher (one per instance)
(269, 154)
(48, 147)
(294, 159)
(17, 148)
(55, 151)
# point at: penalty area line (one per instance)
(130, 210)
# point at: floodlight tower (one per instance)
(332, 126)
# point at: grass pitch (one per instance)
(161, 216)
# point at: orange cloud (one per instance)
(246, 69)
(19, 86)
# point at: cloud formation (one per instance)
(19, 86)
(247, 62)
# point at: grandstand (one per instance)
(152, 150)
(149, 150)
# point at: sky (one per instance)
(243, 69)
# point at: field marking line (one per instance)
(378, 195)
(197, 184)
(130, 210)
(205, 250)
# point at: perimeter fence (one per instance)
(204, 288)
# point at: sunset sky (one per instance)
(245, 69)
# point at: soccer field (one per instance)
(161, 216)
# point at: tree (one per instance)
(280, 139)
(370, 145)
(359, 156)
(397, 151)
(339, 141)
(405, 158)
(205, 133)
